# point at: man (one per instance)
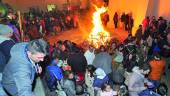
(138, 34)
(115, 19)
(18, 74)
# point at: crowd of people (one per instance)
(133, 67)
(125, 21)
(37, 23)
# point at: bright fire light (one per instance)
(98, 36)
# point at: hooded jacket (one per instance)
(136, 82)
(100, 78)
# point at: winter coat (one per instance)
(138, 34)
(136, 83)
(69, 87)
(18, 74)
(77, 61)
(117, 74)
(99, 82)
(104, 61)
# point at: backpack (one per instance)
(53, 74)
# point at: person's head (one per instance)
(147, 17)
(56, 54)
(91, 48)
(129, 36)
(133, 40)
(68, 74)
(102, 48)
(120, 47)
(114, 45)
(106, 87)
(140, 26)
(63, 48)
(58, 43)
(144, 69)
(6, 31)
(37, 50)
(90, 69)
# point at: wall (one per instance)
(24, 5)
(163, 8)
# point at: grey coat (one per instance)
(69, 87)
(136, 84)
(19, 72)
(104, 61)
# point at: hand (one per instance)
(39, 69)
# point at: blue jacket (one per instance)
(18, 74)
(99, 82)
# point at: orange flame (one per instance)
(98, 36)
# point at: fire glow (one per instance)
(98, 36)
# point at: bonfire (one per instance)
(98, 36)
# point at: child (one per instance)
(89, 79)
(106, 90)
(100, 78)
(68, 84)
